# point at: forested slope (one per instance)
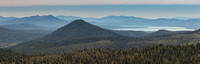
(172, 39)
(187, 54)
(10, 36)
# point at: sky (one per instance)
(92, 2)
(101, 8)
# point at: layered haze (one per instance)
(138, 15)
(145, 11)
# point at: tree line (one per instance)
(160, 54)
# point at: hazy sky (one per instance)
(101, 8)
(92, 2)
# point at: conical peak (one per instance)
(162, 30)
(78, 22)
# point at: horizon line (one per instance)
(105, 5)
(107, 16)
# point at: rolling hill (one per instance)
(132, 33)
(9, 36)
(26, 26)
(166, 32)
(146, 34)
(79, 35)
(81, 29)
(76, 32)
(48, 47)
(192, 37)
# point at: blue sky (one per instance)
(146, 11)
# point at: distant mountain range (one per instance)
(20, 27)
(46, 21)
(113, 22)
(82, 35)
(70, 35)
(109, 22)
(186, 18)
(6, 18)
(70, 18)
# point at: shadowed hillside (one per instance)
(77, 32)
(9, 36)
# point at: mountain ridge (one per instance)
(62, 40)
(47, 21)
(120, 21)
(80, 28)
(26, 26)
(76, 32)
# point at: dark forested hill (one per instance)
(72, 36)
(8, 56)
(80, 29)
(9, 36)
